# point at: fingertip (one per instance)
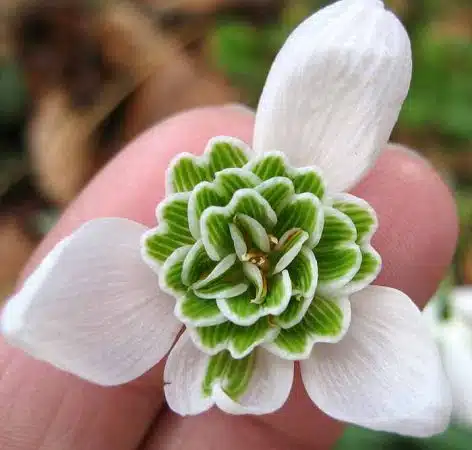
(418, 222)
(133, 183)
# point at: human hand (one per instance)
(45, 408)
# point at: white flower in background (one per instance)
(454, 336)
(259, 256)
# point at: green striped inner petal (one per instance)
(337, 266)
(254, 230)
(361, 214)
(304, 273)
(216, 236)
(226, 280)
(173, 230)
(294, 313)
(240, 341)
(171, 278)
(186, 173)
(338, 229)
(229, 181)
(268, 166)
(371, 263)
(240, 246)
(226, 153)
(212, 339)
(252, 204)
(232, 374)
(222, 288)
(196, 264)
(326, 320)
(324, 317)
(245, 339)
(202, 197)
(276, 191)
(303, 211)
(198, 312)
(308, 180)
(287, 249)
(258, 280)
(368, 272)
(242, 311)
(220, 270)
(278, 294)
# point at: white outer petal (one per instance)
(386, 374)
(93, 308)
(183, 375)
(267, 390)
(335, 90)
(456, 348)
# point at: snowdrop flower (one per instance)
(454, 336)
(259, 256)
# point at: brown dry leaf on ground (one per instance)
(455, 23)
(193, 6)
(62, 143)
(150, 70)
(171, 80)
(16, 246)
(466, 266)
(7, 8)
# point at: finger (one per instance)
(45, 408)
(418, 222)
(416, 238)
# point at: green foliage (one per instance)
(246, 52)
(13, 95)
(440, 98)
(360, 439)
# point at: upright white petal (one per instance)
(386, 374)
(456, 349)
(267, 390)
(93, 308)
(335, 90)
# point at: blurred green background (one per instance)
(69, 101)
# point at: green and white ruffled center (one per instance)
(256, 253)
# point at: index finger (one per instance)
(43, 407)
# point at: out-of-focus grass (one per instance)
(359, 439)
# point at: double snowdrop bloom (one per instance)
(454, 337)
(259, 256)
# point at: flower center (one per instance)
(259, 258)
(255, 252)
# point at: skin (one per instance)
(43, 408)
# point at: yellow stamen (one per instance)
(273, 241)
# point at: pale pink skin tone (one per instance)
(42, 407)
